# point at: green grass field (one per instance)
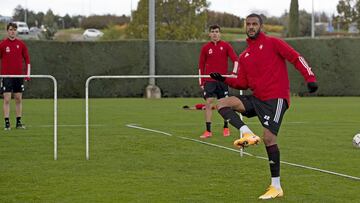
(133, 165)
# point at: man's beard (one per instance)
(254, 36)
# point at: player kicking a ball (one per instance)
(262, 68)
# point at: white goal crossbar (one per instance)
(55, 101)
(125, 77)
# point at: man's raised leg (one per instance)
(226, 108)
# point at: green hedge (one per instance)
(333, 61)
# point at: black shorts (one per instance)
(215, 89)
(14, 85)
(270, 112)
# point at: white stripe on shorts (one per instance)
(278, 110)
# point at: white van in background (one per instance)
(22, 27)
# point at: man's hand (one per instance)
(217, 76)
(312, 87)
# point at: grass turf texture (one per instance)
(131, 165)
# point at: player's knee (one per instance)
(221, 104)
(208, 101)
(6, 101)
(269, 138)
(17, 100)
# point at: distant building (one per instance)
(5, 19)
(353, 28)
(321, 27)
(330, 27)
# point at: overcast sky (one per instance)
(237, 7)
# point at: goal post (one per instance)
(87, 147)
(55, 101)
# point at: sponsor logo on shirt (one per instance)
(221, 48)
(7, 49)
(210, 51)
(261, 47)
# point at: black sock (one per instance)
(18, 120)
(208, 126)
(234, 119)
(7, 121)
(274, 160)
(226, 124)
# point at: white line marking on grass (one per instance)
(147, 129)
(64, 125)
(211, 144)
(235, 150)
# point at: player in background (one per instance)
(262, 68)
(214, 58)
(197, 107)
(13, 54)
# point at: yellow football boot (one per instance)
(272, 193)
(247, 140)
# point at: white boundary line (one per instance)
(55, 101)
(124, 77)
(235, 150)
(66, 125)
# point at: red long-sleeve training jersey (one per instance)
(13, 53)
(214, 58)
(262, 68)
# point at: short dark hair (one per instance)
(11, 25)
(213, 27)
(256, 16)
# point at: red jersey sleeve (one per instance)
(295, 58)
(25, 54)
(231, 53)
(240, 82)
(1, 48)
(234, 58)
(202, 60)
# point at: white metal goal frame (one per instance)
(128, 77)
(55, 101)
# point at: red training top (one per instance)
(214, 58)
(262, 68)
(12, 54)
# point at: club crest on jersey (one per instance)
(7, 49)
(210, 51)
(261, 47)
(17, 46)
(221, 48)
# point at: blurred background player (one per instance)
(198, 107)
(262, 68)
(214, 58)
(13, 53)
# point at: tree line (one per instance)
(49, 19)
(189, 19)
